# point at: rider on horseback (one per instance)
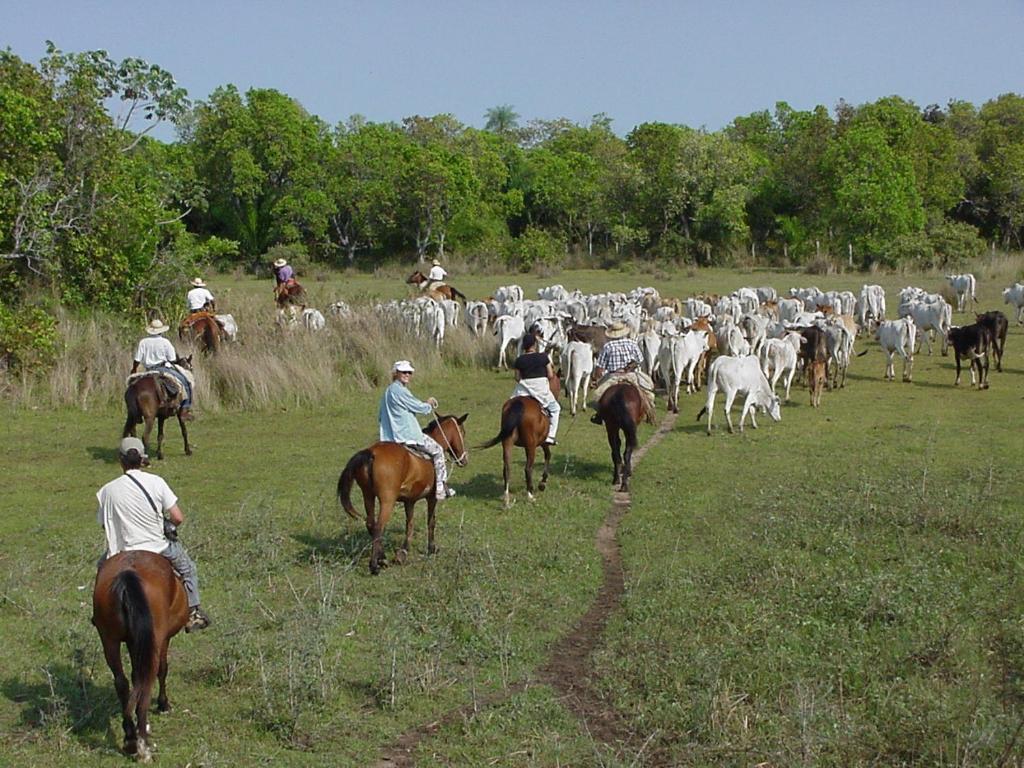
(398, 423)
(618, 362)
(533, 376)
(199, 298)
(283, 273)
(155, 353)
(139, 511)
(436, 276)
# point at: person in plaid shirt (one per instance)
(619, 362)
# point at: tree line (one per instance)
(102, 214)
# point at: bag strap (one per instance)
(145, 493)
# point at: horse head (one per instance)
(452, 436)
(184, 362)
(416, 278)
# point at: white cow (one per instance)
(477, 317)
(579, 366)
(870, 306)
(735, 375)
(779, 358)
(730, 340)
(313, 319)
(435, 321)
(1015, 295)
(755, 330)
(229, 326)
(896, 337)
(339, 308)
(650, 344)
(789, 309)
(508, 328)
(930, 316)
(964, 287)
(678, 358)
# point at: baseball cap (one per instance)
(130, 444)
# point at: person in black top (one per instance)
(532, 369)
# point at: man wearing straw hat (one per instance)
(397, 421)
(283, 272)
(436, 276)
(618, 363)
(199, 298)
(156, 353)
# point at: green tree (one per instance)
(502, 119)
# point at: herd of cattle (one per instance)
(755, 337)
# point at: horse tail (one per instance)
(618, 410)
(211, 335)
(361, 459)
(457, 294)
(510, 421)
(138, 623)
(131, 401)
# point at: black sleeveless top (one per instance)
(532, 365)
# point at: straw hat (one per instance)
(156, 327)
(280, 262)
(617, 330)
(198, 282)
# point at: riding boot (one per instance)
(197, 619)
(186, 414)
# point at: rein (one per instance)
(461, 458)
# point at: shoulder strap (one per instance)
(144, 492)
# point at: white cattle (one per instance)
(779, 358)
(578, 368)
(228, 325)
(509, 293)
(736, 375)
(339, 308)
(677, 359)
(789, 309)
(755, 330)
(964, 287)
(870, 309)
(650, 343)
(313, 319)
(839, 343)
(451, 311)
(1015, 295)
(476, 317)
(697, 308)
(930, 316)
(731, 341)
(508, 328)
(896, 337)
(553, 293)
(767, 293)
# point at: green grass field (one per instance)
(841, 588)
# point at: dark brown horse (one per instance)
(525, 424)
(147, 402)
(138, 600)
(621, 408)
(288, 293)
(438, 292)
(388, 472)
(202, 330)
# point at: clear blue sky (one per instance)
(694, 63)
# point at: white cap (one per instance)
(403, 366)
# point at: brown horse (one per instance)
(621, 408)
(525, 424)
(146, 402)
(438, 292)
(202, 330)
(389, 472)
(288, 293)
(138, 600)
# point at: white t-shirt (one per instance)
(127, 517)
(437, 273)
(198, 297)
(154, 350)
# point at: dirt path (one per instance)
(568, 669)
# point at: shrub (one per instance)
(534, 248)
(954, 243)
(294, 253)
(28, 338)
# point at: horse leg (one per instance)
(431, 519)
(531, 456)
(142, 714)
(160, 436)
(163, 704)
(112, 653)
(506, 458)
(377, 560)
(402, 554)
(147, 431)
(547, 466)
(616, 446)
(184, 434)
(627, 459)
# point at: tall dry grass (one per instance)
(269, 366)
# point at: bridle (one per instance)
(460, 459)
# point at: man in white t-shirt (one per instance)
(199, 298)
(155, 351)
(132, 510)
(437, 273)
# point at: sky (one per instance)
(699, 64)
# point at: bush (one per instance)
(294, 253)
(955, 243)
(911, 251)
(28, 338)
(535, 248)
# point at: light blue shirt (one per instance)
(396, 416)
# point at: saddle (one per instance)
(418, 451)
(169, 388)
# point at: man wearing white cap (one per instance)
(199, 298)
(139, 511)
(397, 419)
(155, 352)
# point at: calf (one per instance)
(897, 337)
(971, 342)
(816, 381)
(734, 375)
(996, 323)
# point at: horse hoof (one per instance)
(529, 497)
(433, 549)
(401, 556)
(163, 707)
(542, 486)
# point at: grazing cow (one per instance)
(897, 337)
(579, 367)
(508, 328)
(996, 324)
(778, 358)
(1015, 295)
(228, 324)
(677, 359)
(963, 286)
(816, 375)
(734, 375)
(971, 342)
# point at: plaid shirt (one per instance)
(618, 353)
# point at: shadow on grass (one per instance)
(104, 454)
(65, 702)
(346, 547)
